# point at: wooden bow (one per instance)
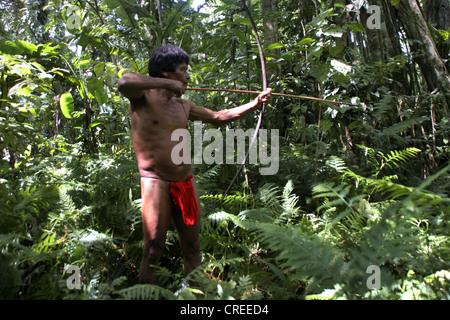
(264, 77)
(264, 85)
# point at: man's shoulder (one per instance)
(188, 103)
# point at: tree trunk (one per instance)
(384, 42)
(437, 13)
(270, 10)
(423, 47)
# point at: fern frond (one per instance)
(392, 160)
(259, 214)
(146, 292)
(269, 194)
(222, 263)
(370, 154)
(281, 204)
(390, 189)
(37, 199)
(404, 125)
(222, 216)
(395, 158)
(233, 200)
(289, 203)
(336, 163)
(329, 190)
(308, 256)
(385, 104)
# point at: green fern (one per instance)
(391, 239)
(146, 292)
(307, 256)
(341, 212)
(392, 160)
(218, 265)
(269, 195)
(289, 204)
(224, 217)
(389, 189)
(281, 204)
(403, 126)
(230, 201)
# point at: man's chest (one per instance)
(161, 115)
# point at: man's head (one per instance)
(166, 59)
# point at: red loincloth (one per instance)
(184, 198)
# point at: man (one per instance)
(168, 190)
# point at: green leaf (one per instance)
(67, 105)
(394, 2)
(356, 26)
(340, 5)
(244, 21)
(97, 123)
(306, 41)
(320, 72)
(325, 125)
(276, 45)
(99, 68)
(97, 90)
(27, 46)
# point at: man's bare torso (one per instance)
(153, 119)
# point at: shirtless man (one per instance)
(156, 110)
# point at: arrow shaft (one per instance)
(273, 93)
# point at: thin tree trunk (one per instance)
(270, 10)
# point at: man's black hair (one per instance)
(166, 59)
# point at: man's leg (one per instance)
(189, 236)
(156, 213)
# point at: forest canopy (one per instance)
(359, 206)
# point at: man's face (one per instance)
(180, 74)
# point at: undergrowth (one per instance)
(271, 249)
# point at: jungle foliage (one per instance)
(359, 185)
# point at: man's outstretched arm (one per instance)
(223, 116)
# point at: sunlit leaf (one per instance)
(67, 105)
(306, 41)
(275, 46)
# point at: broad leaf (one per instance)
(67, 105)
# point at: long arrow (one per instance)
(274, 94)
